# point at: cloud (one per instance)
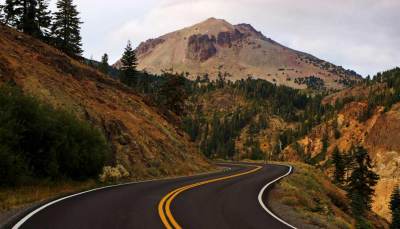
(359, 34)
(362, 35)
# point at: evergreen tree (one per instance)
(104, 64)
(20, 14)
(29, 16)
(10, 14)
(395, 208)
(174, 94)
(2, 15)
(43, 19)
(395, 219)
(29, 24)
(361, 182)
(129, 64)
(340, 166)
(66, 28)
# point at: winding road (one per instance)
(235, 198)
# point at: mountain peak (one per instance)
(215, 46)
(214, 20)
(211, 26)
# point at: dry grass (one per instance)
(138, 133)
(311, 200)
(14, 198)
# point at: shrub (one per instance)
(39, 142)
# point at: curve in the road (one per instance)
(260, 198)
(229, 203)
(165, 204)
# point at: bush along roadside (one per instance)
(38, 142)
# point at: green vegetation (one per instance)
(395, 208)
(312, 82)
(384, 90)
(360, 185)
(306, 197)
(128, 68)
(219, 132)
(66, 28)
(38, 142)
(29, 16)
(218, 140)
(62, 29)
(104, 66)
(340, 166)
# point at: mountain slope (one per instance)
(371, 118)
(142, 140)
(237, 51)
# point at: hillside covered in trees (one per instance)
(368, 116)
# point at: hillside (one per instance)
(370, 117)
(143, 141)
(307, 197)
(237, 51)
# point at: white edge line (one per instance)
(24, 219)
(261, 193)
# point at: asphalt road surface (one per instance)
(220, 200)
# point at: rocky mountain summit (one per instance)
(215, 47)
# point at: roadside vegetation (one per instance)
(40, 143)
(308, 199)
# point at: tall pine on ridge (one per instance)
(21, 15)
(129, 64)
(29, 16)
(2, 15)
(104, 64)
(43, 19)
(66, 28)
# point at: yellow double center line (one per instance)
(164, 206)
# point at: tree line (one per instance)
(60, 29)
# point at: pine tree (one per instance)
(10, 15)
(395, 208)
(2, 15)
(340, 166)
(395, 219)
(129, 63)
(361, 182)
(43, 19)
(29, 24)
(66, 28)
(174, 93)
(104, 64)
(29, 16)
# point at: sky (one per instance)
(362, 35)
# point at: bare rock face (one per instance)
(247, 30)
(225, 39)
(201, 47)
(148, 45)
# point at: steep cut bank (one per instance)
(215, 47)
(370, 118)
(141, 138)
